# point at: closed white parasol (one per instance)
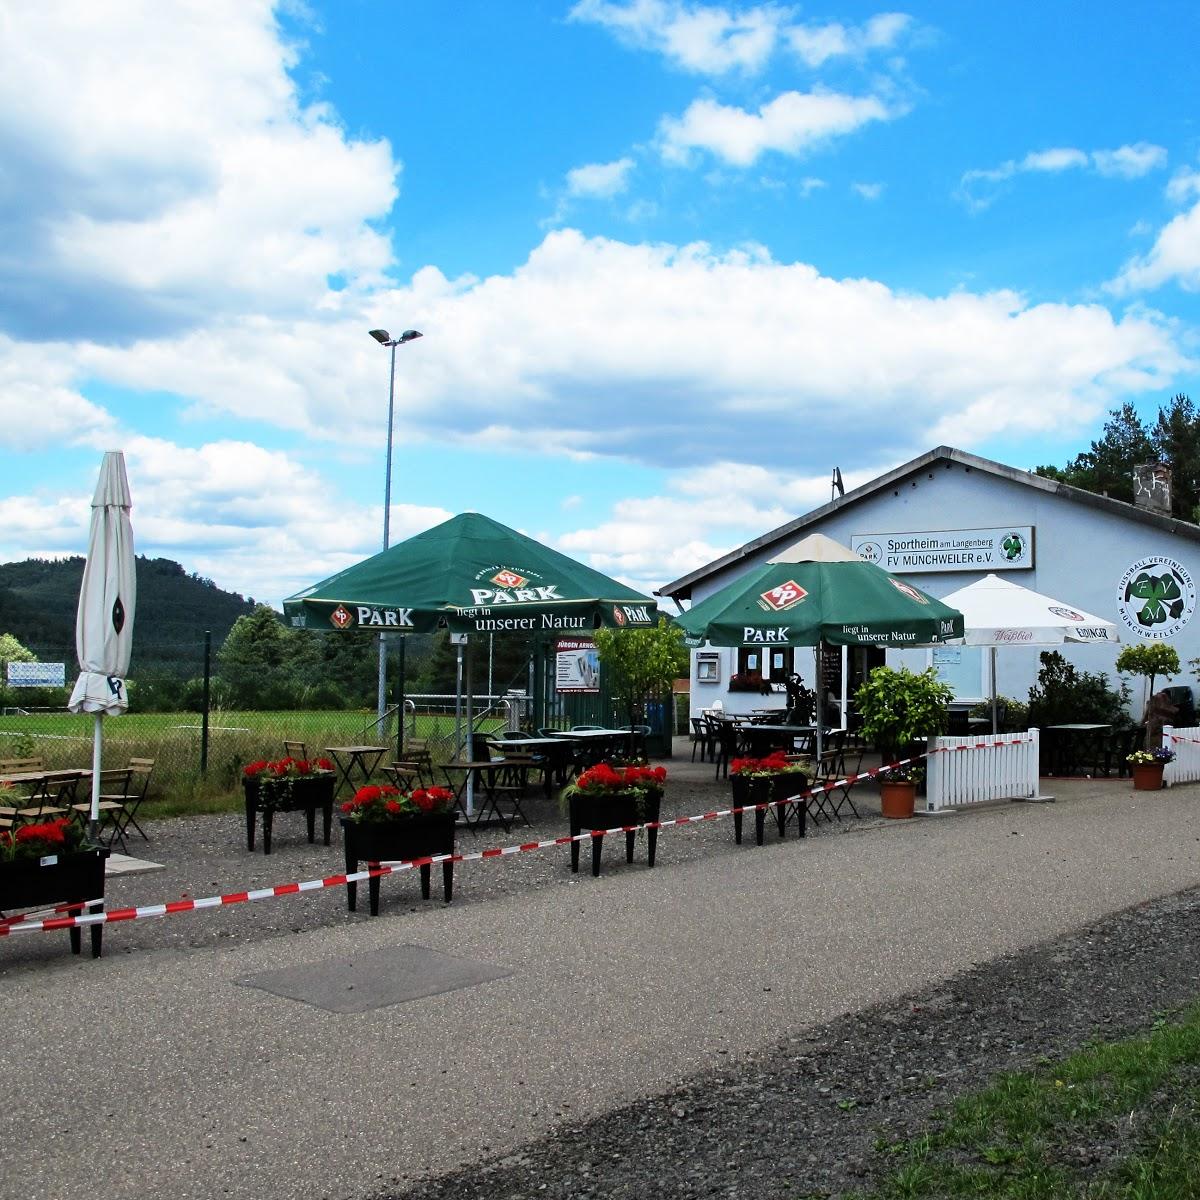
(104, 621)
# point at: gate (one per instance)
(968, 771)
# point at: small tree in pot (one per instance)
(899, 708)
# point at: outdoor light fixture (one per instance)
(385, 339)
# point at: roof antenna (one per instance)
(837, 487)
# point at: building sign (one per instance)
(1156, 597)
(576, 665)
(37, 674)
(1005, 548)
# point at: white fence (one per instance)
(980, 767)
(1186, 744)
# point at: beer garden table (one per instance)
(348, 759)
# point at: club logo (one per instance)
(908, 590)
(1069, 613)
(1013, 546)
(509, 579)
(340, 618)
(782, 597)
(1156, 597)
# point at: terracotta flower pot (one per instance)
(897, 798)
(1147, 777)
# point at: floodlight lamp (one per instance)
(410, 335)
(381, 336)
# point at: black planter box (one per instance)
(417, 836)
(306, 794)
(609, 812)
(66, 879)
(748, 790)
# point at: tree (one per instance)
(11, 651)
(639, 663)
(1149, 659)
(256, 659)
(1176, 438)
(1107, 468)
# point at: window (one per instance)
(769, 662)
(962, 668)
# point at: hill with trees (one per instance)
(39, 598)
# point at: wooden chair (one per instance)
(404, 775)
(112, 783)
(296, 750)
(130, 800)
(508, 787)
(417, 750)
(53, 798)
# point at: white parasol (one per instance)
(998, 613)
(104, 621)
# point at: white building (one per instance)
(946, 519)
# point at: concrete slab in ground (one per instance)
(362, 982)
(124, 864)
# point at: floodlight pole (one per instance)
(385, 339)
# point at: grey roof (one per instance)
(681, 589)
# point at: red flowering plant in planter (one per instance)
(382, 802)
(276, 781)
(61, 836)
(775, 763)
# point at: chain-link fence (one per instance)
(184, 716)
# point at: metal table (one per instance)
(348, 759)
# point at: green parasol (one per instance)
(819, 592)
(471, 575)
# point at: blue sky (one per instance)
(672, 262)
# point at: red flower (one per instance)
(394, 806)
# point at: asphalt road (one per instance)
(155, 1073)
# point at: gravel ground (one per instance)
(801, 1119)
(794, 1118)
(207, 856)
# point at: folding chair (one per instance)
(112, 783)
(417, 750)
(839, 763)
(140, 770)
(508, 787)
(404, 775)
(53, 798)
(728, 746)
(296, 750)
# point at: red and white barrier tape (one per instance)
(22, 924)
(1175, 737)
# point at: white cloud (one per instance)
(699, 38)
(977, 188)
(1130, 162)
(817, 44)
(868, 191)
(1184, 186)
(257, 520)
(161, 171)
(790, 124)
(600, 179)
(1174, 257)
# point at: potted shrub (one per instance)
(900, 709)
(1148, 767)
(51, 864)
(768, 781)
(611, 796)
(288, 785)
(384, 824)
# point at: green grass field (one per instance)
(173, 740)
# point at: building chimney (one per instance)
(1152, 487)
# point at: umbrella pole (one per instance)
(995, 723)
(97, 745)
(820, 704)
